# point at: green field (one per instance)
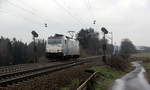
(140, 55)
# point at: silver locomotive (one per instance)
(61, 46)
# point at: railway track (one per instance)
(15, 77)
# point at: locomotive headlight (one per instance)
(59, 50)
(59, 45)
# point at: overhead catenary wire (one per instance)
(40, 17)
(68, 12)
(91, 11)
(88, 8)
(22, 17)
(35, 10)
(26, 10)
(23, 3)
(68, 8)
(33, 13)
(43, 19)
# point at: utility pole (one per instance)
(35, 35)
(104, 44)
(111, 38)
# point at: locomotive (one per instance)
(60, 46)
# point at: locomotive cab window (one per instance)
(54, 41)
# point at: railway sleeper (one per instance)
(37, 72)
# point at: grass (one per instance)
(74, 84)
(106, 75)
(147, 67)
(104, 78)
(140, 55)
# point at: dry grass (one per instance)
(119, 63)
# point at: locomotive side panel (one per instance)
(73, 48)
(62, 47)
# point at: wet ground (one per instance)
(134, 80)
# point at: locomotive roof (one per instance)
(56, 36)
(60, 36)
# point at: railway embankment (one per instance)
(57, 80)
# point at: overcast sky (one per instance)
(125, 18)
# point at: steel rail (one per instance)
(11, 78)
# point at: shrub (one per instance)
(119, 63)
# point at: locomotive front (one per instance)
(54, 47)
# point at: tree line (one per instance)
(91, 44)
(17, 52)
